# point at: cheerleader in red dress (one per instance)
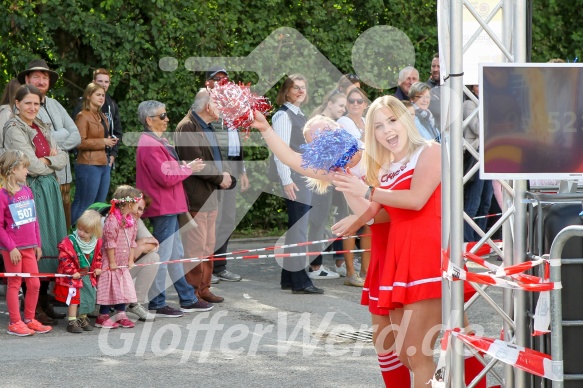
(404, 173)
(116, 287)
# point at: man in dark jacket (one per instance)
(196, 139)
(435, 82)
(407, 77)
(109, 109)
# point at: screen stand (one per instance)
(568, 187)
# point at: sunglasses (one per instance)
(161, 116)
(352, 77)
(358, 101)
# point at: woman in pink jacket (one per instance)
(159, 173)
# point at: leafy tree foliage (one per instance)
(130, 37)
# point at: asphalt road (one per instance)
(260, 336)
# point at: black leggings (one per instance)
(104, 309)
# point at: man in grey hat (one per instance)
(64, 130)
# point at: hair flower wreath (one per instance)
(117, 201)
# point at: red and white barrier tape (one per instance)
(32, 275)
(519, 281)
(453, 272)
(291, 245)
(525, 359)
(191, 260)
(249, 257)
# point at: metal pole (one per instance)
(456, 183)
(556, 298)
(507, 295)
(522, 379)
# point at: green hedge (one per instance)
(129, 37)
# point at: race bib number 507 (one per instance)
(23, 212)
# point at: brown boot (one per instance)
(211, 298)
(43, 318)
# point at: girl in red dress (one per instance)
(80, 257)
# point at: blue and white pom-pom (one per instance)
(331, 150)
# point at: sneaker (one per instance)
(143, 314)
(85, 324)
(354, 280)
(168, 312)
(215, 279)
(123, 320)
(74, 327)
(200, 305)
(322, 273)
(104, 321)
(341, 270)
(38, 327)
(20, 329)
(228, 276)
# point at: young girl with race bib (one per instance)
(20, 242)
(116, 287)
(80, 257)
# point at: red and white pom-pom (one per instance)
(237, 103)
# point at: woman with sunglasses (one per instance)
(424, 121)
(160, 173)
(353, 122)
(92, 170)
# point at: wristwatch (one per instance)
(368, 192)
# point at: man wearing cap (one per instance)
(64, 130)
(232, 155)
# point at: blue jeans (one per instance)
(477, 200)
(166, 232)
(91, 185)
(293, 269)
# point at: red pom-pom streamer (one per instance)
(237, 103)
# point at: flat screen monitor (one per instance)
(531, 121)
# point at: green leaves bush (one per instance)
(129, 37)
